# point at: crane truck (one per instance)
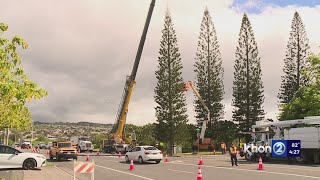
(118, 137)
(306, 130)
(201, 143)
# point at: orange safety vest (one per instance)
(233, 150)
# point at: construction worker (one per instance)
(233, 154)
(223, 148)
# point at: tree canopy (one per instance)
(209, 74)
(247, 85)
(16, 89)
(306, 101)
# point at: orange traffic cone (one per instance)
(88, 157)
(166, 159)
(119, 156)
(199, 177)
(260, 167)
(201, 161)
(131, 166)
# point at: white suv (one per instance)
(144, 153)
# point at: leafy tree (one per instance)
(226, 131)
(171, 106)
(15, 87)
(147, 135)
(97, 139)
(190, 137)
(306, 101)
(296, 60)
(42, 138)
(209, 73)
(247, 84)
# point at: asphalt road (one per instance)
(15, 174)
(185, 168)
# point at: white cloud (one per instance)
(81, 51)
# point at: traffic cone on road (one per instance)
(119, 156)
(131, 166)
(200, 161)
(260, 167)
(88, 157)
(166, 159)
(199, 177)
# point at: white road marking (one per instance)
(256, 171)
(268, 165)
(181, 171)
(142, 177)
(65, 172)
(176, 161)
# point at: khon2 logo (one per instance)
(279, 148)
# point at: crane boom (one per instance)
(204, 124)
(130, 82)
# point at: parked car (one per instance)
(13, 158)
(25, 146)
(49, 145)
(144, 153)
(16, 145)
(42, 146)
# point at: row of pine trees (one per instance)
(248, 90)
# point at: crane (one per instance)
(118, 134)
(204, 124)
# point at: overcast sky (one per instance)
(82, 50)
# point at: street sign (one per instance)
(279, 148)
(294, 148)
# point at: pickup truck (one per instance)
(63, 150)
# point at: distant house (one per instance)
(51, 137)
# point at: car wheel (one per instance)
(29, 164)
(127, 159)
(158, 161)
(140, 160)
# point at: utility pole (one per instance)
(6, 136)
(31, 132)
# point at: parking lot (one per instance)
(215, 167)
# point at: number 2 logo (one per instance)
(279, 148)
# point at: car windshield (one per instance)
(150, 148)
(8, 150)
(64, 145)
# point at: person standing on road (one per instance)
(233, 154)
(223, 147)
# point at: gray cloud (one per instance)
(81, 52)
